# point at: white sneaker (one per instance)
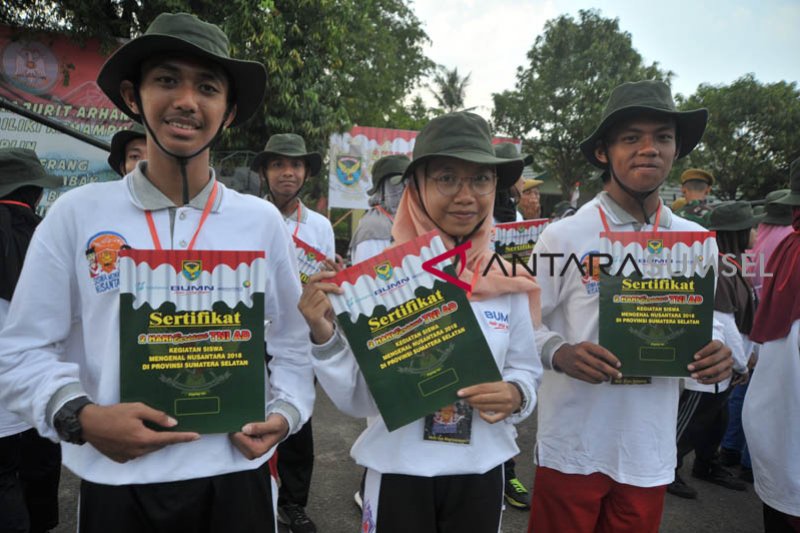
(358, 499)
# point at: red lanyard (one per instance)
(14, 202)
(732, 261)
(203, 217)
(299, 215)
(608, 228)
(385, 212)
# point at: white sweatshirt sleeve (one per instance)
(733, 339)
(523, 365)
(547, 341)
(339, 374)
(292, 377)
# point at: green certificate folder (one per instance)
(192, 336)
(414, 336)
(657, 300)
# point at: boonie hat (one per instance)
(649, 96)
(465, 136)
(777, 214)
(793, 198)
(732, 216)
(287, 145)
(389, 167)
(20, 167)
(509, 151)
(118, 143)
(177, 34)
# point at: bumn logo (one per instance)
(191, 269)
(384, 270)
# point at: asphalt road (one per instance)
(336, 478)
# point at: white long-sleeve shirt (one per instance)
(313, 229)
(61, 339)
(403, 451)
(10, 424)
(771, 419)
(624, 431)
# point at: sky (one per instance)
(701, 41)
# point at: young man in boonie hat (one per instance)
(60, 353)
(374, 232)
(772, 406)
(30, 466)
(128, 147)
(605, 451)
(284, 166)
(696, 185)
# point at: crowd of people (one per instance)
(607, 448)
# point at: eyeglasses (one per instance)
(450, 185)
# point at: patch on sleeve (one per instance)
(102, 256)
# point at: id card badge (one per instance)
(452, 423)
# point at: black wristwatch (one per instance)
(523, 400)
(66, 421)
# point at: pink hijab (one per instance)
(412, 221)
(767, 239)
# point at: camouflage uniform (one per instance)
(696, 211)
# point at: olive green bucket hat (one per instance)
(777, 214)
(732, 216)
(793, 198)
(118, 143)
(287, 145)
(389, 167)
(20, 167)
(463, 135)
(509, 151)
(184, 34)
(649, 96)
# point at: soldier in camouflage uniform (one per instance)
(695, 185)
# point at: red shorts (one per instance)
(592, 503)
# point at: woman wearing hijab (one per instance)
(420, 485)
(772, 405)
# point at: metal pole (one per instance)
(50, 123)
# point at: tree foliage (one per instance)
(330, 63)
(751, 136)
(560, 95)
(449, 89)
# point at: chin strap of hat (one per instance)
(638, 196)
(182, 160)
